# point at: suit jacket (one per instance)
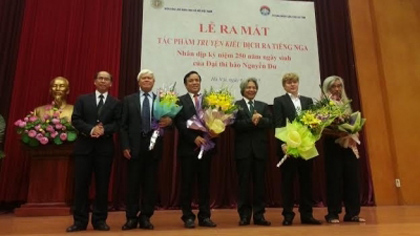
(283, 109)
(131, 127)
(186, 145)
(85, 117)
(248, 137)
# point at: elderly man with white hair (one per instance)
(143, 163)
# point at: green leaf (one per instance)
(57, 140)
(33, 142)
(71, 136)
(25, 138)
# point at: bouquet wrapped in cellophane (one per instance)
(165, 104)
(351, 124)
(301, 134)
(217, 111)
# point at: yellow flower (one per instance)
(309, 119)
(212, 99)
(225, 106)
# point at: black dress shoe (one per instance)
(287, 222)
(310, 221)
(130, 224)
(75, 228)
(101, 227)
(145, 224)
(207, 222)
(262, 221)
(244, 221)
(189, 224)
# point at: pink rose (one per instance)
(39, 136)
(50, 128)
(32, 133)
(46, 117)
(58, 126)
(43, 140)
(17, 123)
(54, 134)
(63, 136)
(37, 127)
(26, 119)
(55, 121)
(22, 124)
(33, 118)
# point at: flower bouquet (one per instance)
(165, 104)
(218, 110)
(301, 134)
(50, 129)
(351, 124)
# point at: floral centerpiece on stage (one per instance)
(165, 104)
(301, 134)
(217, 111)
(50, 129)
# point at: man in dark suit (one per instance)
(96, 117)
(142, 163)
(251, 152)
(188, 150)
(286, 107)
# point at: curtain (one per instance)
(74, 39)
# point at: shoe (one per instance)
(102, 226)
(356, 219)
(75, 228)
(244, 221)
(332, 219)
(207, 222)
(189, 224)
(287, 222)
(310, 221)
(145, 224)
(130, 224)
(262, 221)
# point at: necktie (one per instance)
(251, 107)
(298, 110)
(196, 102)
(100, 104)
(145, 113)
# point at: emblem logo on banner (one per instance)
(157, 4)
(265, 11)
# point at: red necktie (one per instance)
(197, 103)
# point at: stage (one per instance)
(392, 220)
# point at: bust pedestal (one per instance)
(51, 179)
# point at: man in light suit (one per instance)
(286, 107)
(189, 145)
(136, 132)
(96, 116)
(251, 152)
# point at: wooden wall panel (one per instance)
(386, 37)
